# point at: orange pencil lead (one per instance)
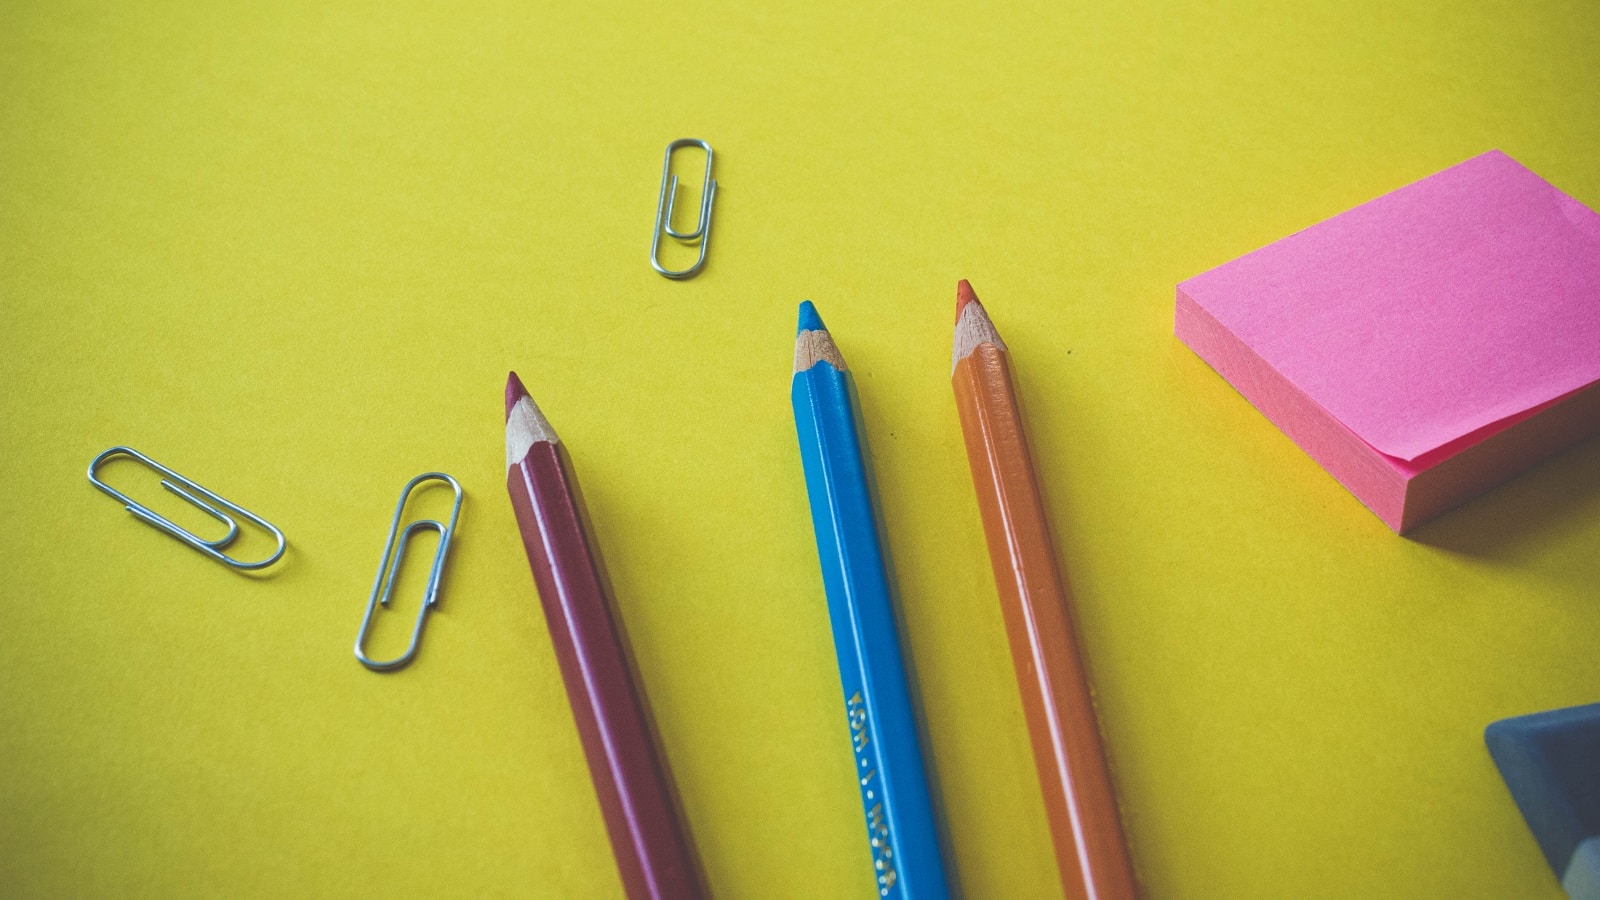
(964, 295)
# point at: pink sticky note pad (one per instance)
(1424, 346)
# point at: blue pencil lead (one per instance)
(809, 320)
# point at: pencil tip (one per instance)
(514, 392)
(973, 327)
(525, 424)
(809, 319)
(965, 295)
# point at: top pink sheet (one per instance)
(1430, 312)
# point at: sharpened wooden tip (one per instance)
(812, 347)
(973, 329)
(525, 424)
(813, 343)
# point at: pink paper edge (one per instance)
(1363, 471)
(1381, 482)
(1579, 216)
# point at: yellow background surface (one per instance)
(291, 251)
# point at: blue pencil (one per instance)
(907, 860)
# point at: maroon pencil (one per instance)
(648, 839)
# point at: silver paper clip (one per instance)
(389, 567)
(188, 490)
(668, 202)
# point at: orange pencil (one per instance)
(1078, 796)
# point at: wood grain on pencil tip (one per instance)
(973, 328)
(654, 854)
(1074, 776)
(813, 343)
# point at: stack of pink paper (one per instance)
(1422, 347)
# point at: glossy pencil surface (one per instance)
(1079, 799)
(899, 810)
(654, 855)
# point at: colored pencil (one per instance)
(651, 845)
(1067, 749)
(901, 831)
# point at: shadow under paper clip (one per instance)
(193, 493)
(389, 568)
(667, 204)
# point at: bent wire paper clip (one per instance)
(389, 567)
(188, 490)
(668, 202)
